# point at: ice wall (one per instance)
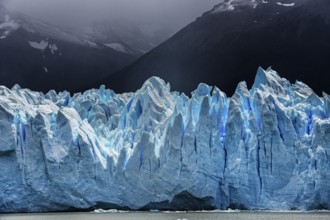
(264, 148)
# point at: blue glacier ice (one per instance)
(263, 148)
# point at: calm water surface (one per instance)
(171, 216)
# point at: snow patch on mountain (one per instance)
(231, 5)
(286, 4)
(7, 26)
(225, 6)
(42, 45)
(53, 48)
(117, 47)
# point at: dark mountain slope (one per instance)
(41, 57)
(227, 44)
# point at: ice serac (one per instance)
(264, 148)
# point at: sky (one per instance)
(173, 13)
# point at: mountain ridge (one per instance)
(219, 47)
(44, 56)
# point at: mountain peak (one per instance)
(222, 47)
(230, 5)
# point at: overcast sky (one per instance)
(175, 13)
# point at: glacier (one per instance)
(266, 148)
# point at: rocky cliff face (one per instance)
(263, 148)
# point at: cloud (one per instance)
(175, 13)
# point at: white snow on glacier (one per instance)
(263, 148)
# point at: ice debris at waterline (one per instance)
(264, 148)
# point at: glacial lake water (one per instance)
(172, 216)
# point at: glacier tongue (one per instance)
(264, 148)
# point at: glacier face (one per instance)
(264, 148)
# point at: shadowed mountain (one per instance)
(42, 56)
(229, 42)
